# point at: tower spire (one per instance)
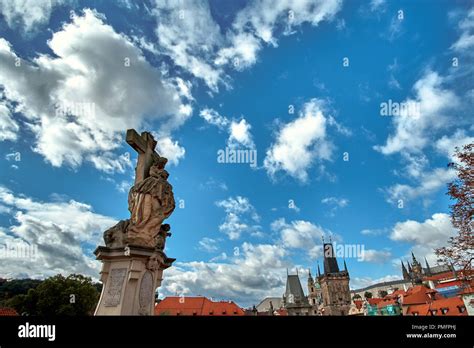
(428, 268)
(319, 271)
(345, 266)
(404, 271)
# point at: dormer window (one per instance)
(415, 313)
(461, 309)
(444, 310)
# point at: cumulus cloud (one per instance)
(27, 14)
(79, 102)
(61, 232)
(170, 149)
(241, 217)
(428, 183)
(257, 271)
(424, 236)
(189, 35)
(375, 256)
(301, 234)
(446, 145)
(196, 43)
(465, 43)
(412, 131)
(300, 143)
(239, 131)
(9, 128)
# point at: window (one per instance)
(415, 313)
(461, 309)
(434, 311)
(312, 289)
(314, 301)
(444, 310)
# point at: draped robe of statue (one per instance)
(150, 202)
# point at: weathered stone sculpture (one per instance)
(133, 257)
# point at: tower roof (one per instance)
(330, 262)
(293, 287)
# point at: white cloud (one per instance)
(170, 149)
(465, 43)
(208, 244)
(340, 202)
(27, 14)
(447, 145)
(58, 229)
(195, 42)
(424, 236)
(189, 35)
(240, 134)
(8, 126)
(301, 234)
(110, 163)
(300, 143)
(256, 272)
(412, 132)
(241, 217)
(427, 184)
(376, 256)
(239, 131)
(377, 5)
(118, 96)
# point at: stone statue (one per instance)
(150, 200)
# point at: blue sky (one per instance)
(298, 83)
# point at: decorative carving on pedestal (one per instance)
(133, 257)
(146, 293)
(114, 289)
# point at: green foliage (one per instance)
(58, 295)
(367, 294)
(14, 287)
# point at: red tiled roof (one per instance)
(420, 295)
(446, 306)
(174, 305)
(6, 312)
(373, 301)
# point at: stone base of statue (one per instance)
(130, 276)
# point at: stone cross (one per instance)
(145, 145)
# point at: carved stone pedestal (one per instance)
(130, 277)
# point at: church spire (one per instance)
(413, 258)
(310, 278)
(345, 266)
(428, 269)
(319, 271)
(404, 271)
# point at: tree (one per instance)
(383, 293)
(367, 294)
(460, 249)
(58, 295)
(356, 297)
